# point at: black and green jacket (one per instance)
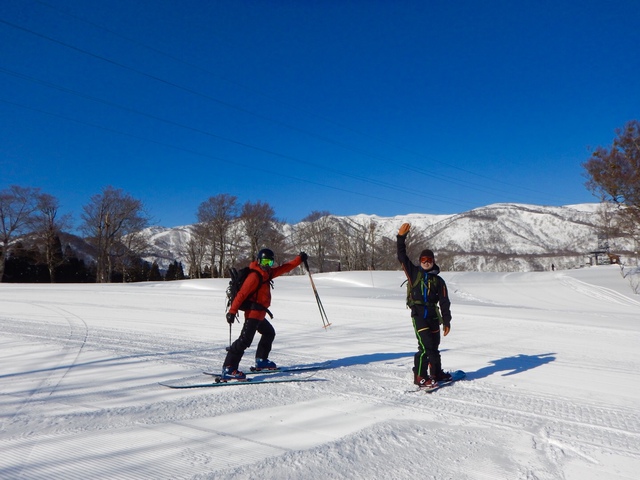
(426, 289)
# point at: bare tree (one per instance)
(386, 254)
(47, 225)
(130, 248)
(107, 219)
(196, 250)
(17, 207)
(217, 215)
(259, 220)
(275, 240)
(614, 174)
(351, 239)
(371, 244)
(316, 233)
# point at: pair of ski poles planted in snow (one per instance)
(323, 314)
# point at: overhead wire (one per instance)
(208, 156)
(219, 137)
(420, 171)
(244, 111)
(430, 174)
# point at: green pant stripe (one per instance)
(422, 349)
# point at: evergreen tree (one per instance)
(175, 271)
(179, 271)
(154, 273)
(171, 272)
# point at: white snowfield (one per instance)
(552, 389)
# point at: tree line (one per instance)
(228, 233)
(35, 248)
(34, 245)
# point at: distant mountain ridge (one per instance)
(498, 237)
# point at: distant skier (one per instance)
(257, 290)
(427, 290)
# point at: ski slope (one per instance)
(552, 389)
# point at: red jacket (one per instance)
(263, 295)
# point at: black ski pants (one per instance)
(428, 334)
(244, 341)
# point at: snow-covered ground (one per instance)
(552, 392)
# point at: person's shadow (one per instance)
(512, 365)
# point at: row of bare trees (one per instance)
(28, 210)
(112, 222)
(227, 234)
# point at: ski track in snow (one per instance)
(602, 293)
(187, 435)
(576, 427)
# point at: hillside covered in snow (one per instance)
(500, 237)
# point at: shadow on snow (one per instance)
(512, 365)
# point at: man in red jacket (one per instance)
(256, 290)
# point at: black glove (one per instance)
(231, 317)
(303, 257)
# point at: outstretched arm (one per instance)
(409, 268)
(286, 267)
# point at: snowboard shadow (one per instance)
(512, 365)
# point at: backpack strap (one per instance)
(425, 289)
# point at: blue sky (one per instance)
(379, 107)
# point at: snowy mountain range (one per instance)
(498, 237)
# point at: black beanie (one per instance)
(427, 253)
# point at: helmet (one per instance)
(265, 254)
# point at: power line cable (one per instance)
(208, 156)
(430, 173)
(219, 137)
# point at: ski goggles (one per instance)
(426, 259)
(266, 262)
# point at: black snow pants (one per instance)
(428, 334)
(244, 341)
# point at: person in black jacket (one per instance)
(430, 306)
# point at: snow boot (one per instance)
(417, 379)
(264, 364)
(229, 373)
(426, 382)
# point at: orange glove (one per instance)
(404, 229)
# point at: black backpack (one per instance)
(235, 284)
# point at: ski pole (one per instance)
(323, 314)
